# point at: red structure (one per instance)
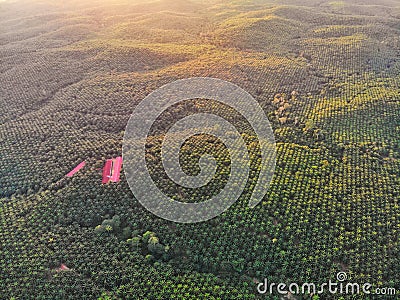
(117, 169)
(62, 268)
(112, 170)
(107, 171)
(76, 169)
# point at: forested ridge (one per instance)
(327, 75)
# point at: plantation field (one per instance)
(327, 75)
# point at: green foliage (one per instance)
(147, 235)
(327, 77)
(126, 233)
(106, 296)
(112, 225)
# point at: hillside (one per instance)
(327, 75)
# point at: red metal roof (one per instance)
(76, 169)
(112, 170)
(116, 169)
(107, 171)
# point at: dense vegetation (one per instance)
(327, 75)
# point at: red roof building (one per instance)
(76, 169)
(112, 170)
